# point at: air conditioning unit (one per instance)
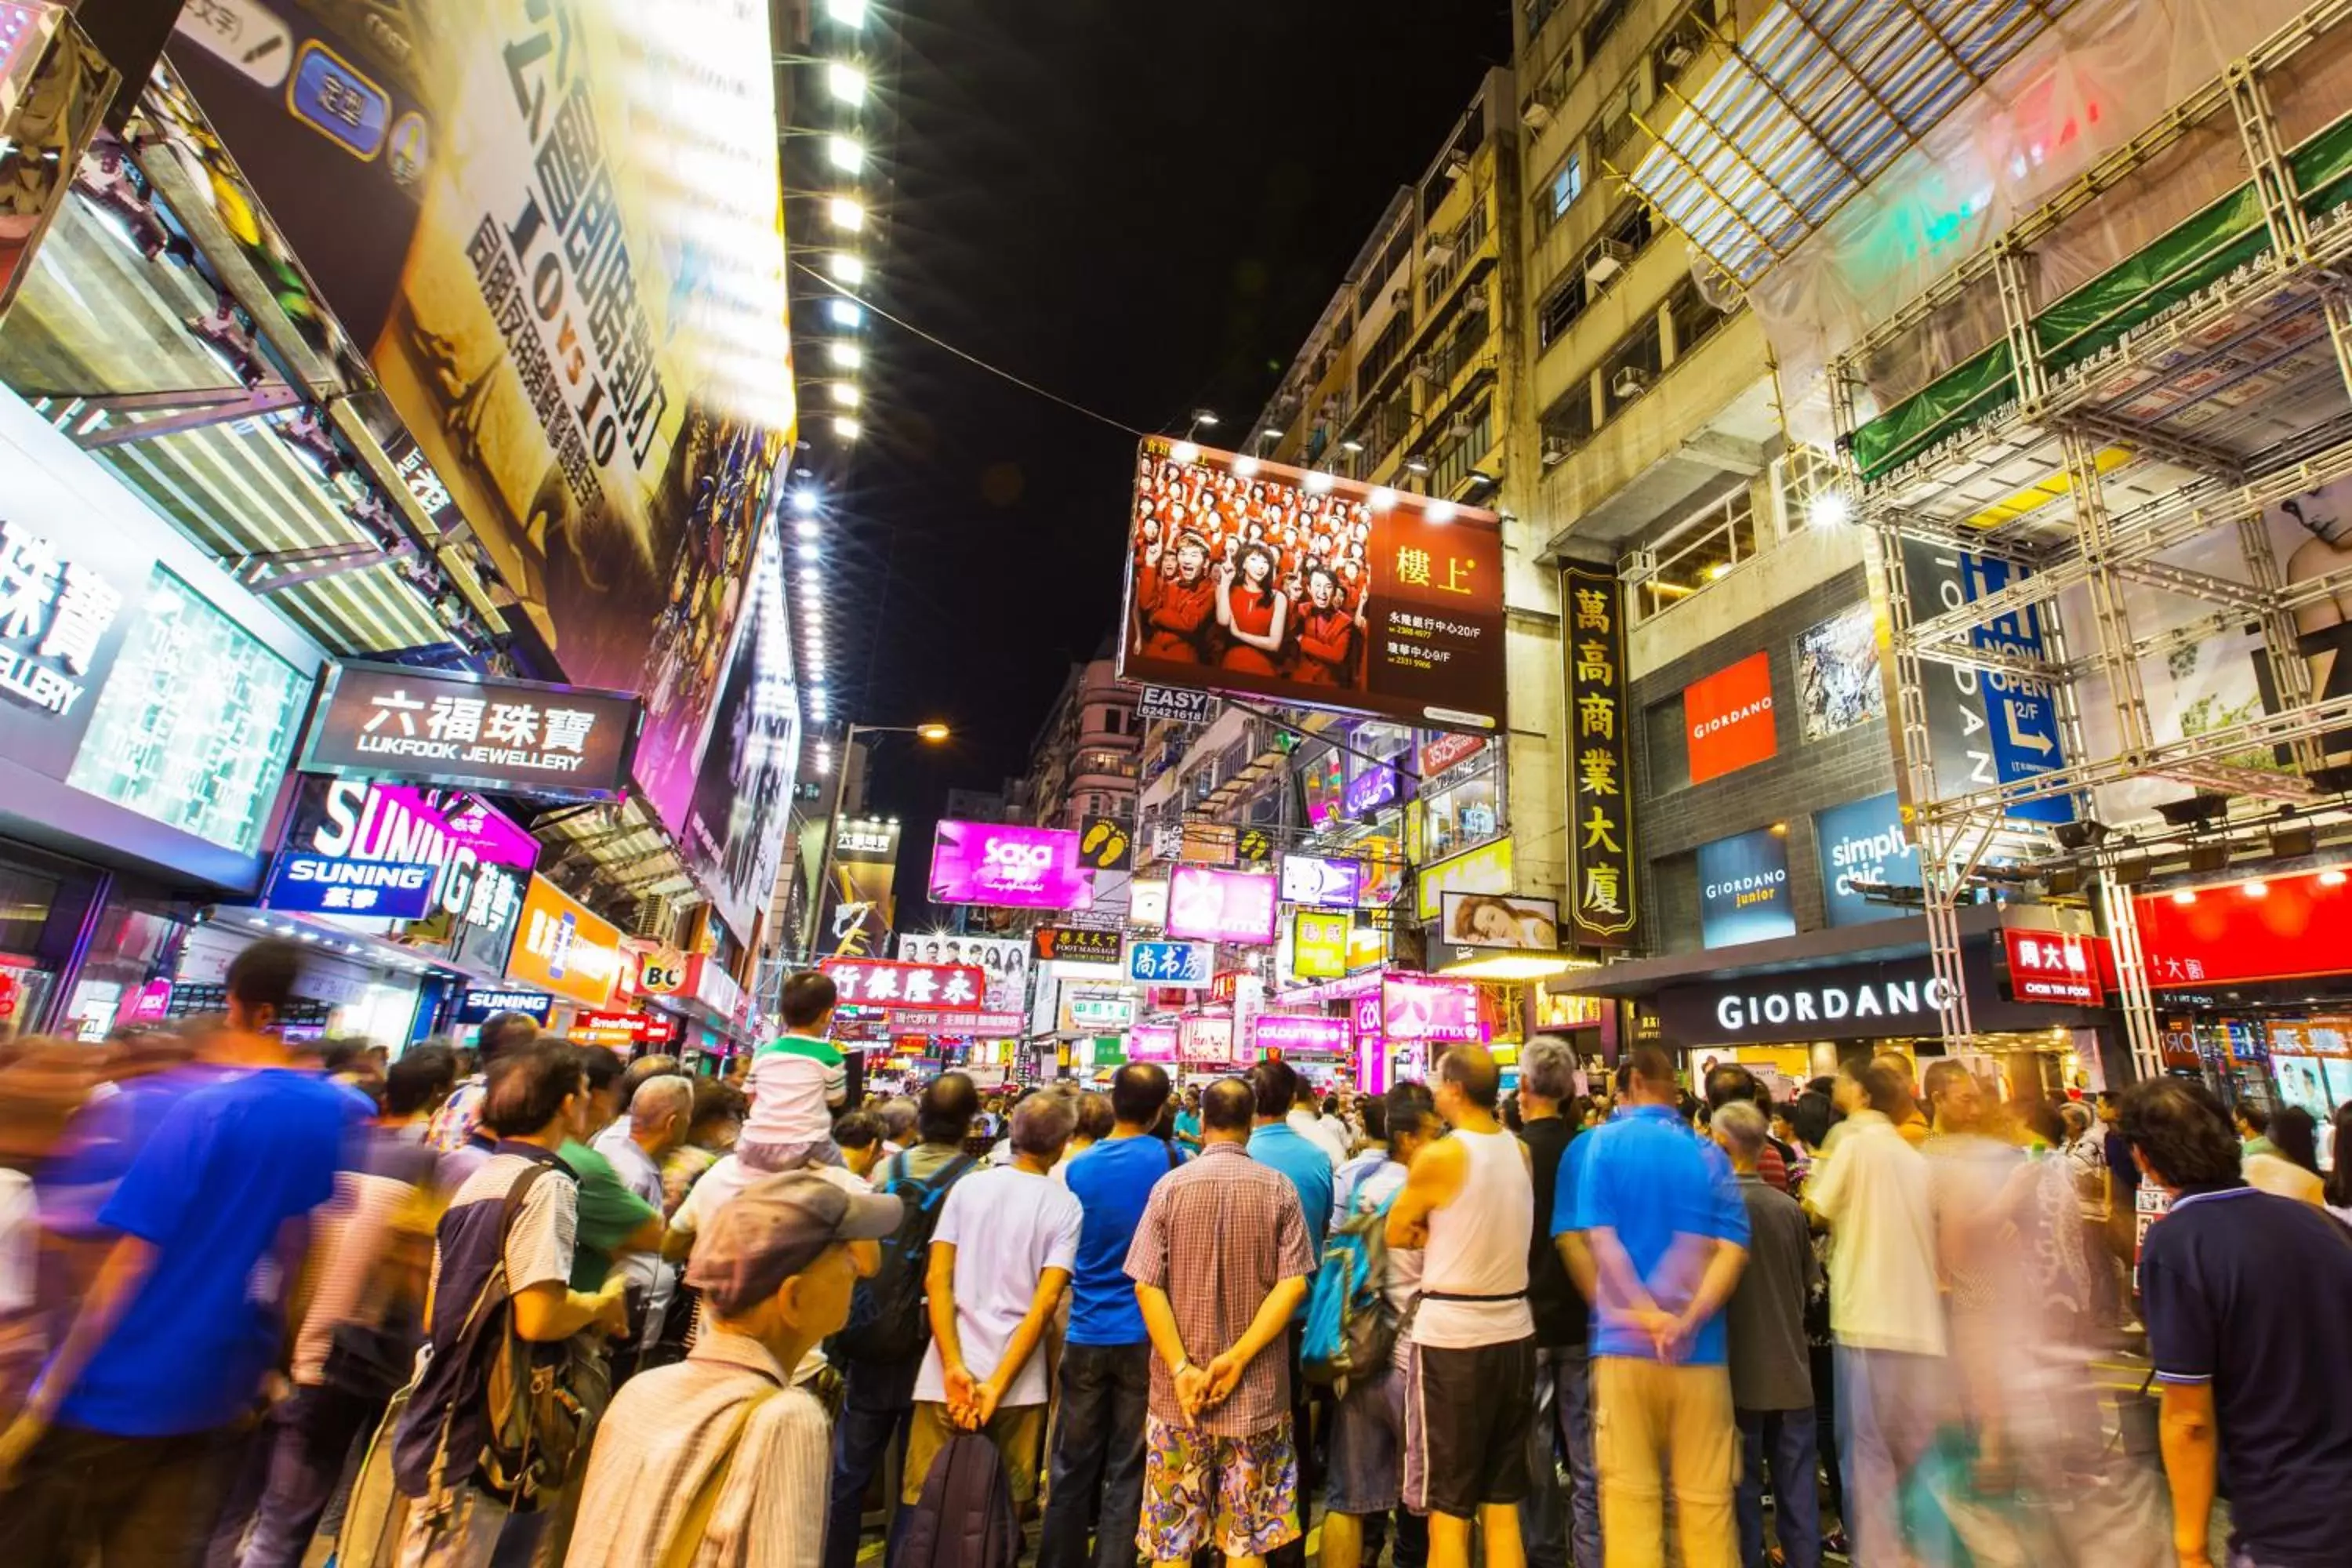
(1399, 298)
(1536, 115)
(1555, 451)
(1458, 430)
(1607, 259)
(1629, 384)
(1438, 249)
(1475, 301)
(1456, 166)
(1677, 54)
(1422, 368)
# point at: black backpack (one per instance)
(887, 1319)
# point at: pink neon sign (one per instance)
(1209, 905)
(1015, 868)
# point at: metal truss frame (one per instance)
(2112, 558)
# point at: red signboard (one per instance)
(924, 1021)
(1444, 752)
(2273, 928)
(2046, 966)
(880, 983)
(1728, 719)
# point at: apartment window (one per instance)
(1539, 13)
(1385, 429)
(1557, 194)
(1464, 441)
(1568, 423)
(1695, 320)
(1383, 353)
(1561, 307)
(1598, 26)
(1632, 369)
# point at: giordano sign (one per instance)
(1849, 1002)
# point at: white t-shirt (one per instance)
(1325, 1135)
(1008, 1226)
(1872, 1187)
(794, 1082)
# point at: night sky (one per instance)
(1143, 209)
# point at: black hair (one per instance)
(857, 1130)
(2295, 1136)
(337, 1053)
(807, 997)
(1375, 1112)
(2182, 1131)
(1138, 1092)
(715, 1100)
(1812, 1116)
(1727, 1082)
(528, 1087)
(1887, 1089)
(944, 1113)
(1652, 1065)
(422, 1074)
(263, 976)
(2254, 1117)
(601, 1065)
(2046, 1122)
(504, 1032)
(1275, 1085)
(1227, 1105)
(2340, 1180)
(1409, 1109)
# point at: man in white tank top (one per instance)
(1470, 1366)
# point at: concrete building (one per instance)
(1083, 762)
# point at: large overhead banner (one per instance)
(858, 905)
(1252, 577)
(734, 834)
(554, 227)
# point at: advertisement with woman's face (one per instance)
(1258, 578)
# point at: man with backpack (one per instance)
(1106, 1365)
(1367, 1437)
(881, 1349)
(488, 1432)
(1001, 1258)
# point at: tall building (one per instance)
(1083, 762)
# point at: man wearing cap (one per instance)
(721, 1449)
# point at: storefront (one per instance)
(148, 706)
(1795, 1007)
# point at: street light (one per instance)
(932, 733)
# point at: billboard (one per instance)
(1318, 944)
(1985, 728)
(1270, 580)
(1298, 1034)
(1184, 966)
(1208, 905)
(1599, 809)
(1010, 867)
(880, 983)
(858, 905)
(1743, 890)
(1076, 944)
(733, 837)
(384, 851)
(1321, 884)
(1838, 681)
(1489, 869)
(1728, 716)
(519, 737)
(560, 945)
(1864, 841)
(1417, 1007)
(1003, 959)
(555, 233)
(1497, 920)
(2292, 928)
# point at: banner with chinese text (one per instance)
(1599, 814)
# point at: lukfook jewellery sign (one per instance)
(439, 727)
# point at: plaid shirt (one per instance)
(1218, 1235)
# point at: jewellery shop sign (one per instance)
(512, 736)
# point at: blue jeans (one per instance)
(1551, 1518)
(308, 1438)
(877, 1401)
(1786, 1437)
(1098, 1456)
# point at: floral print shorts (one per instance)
(1245, 1488)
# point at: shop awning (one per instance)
(1869, 943)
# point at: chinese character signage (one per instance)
(519, 737)
(1865, 842)
(858, 906)
(1727, 718)
(1255, 578)
(1004, 959)
(1743, 890)
(879, 983)
(1010, 867)
(1076, 944)
(1318, 944)
(57, 618)
(1417, 1007)
(560, 945)
(1151, 1043)
(1204, 1041)
(2048, 966)
(2293, 927)
(927, 1021)
(1207, 905)
(1179, 964)
(1321, 884)
(1085, 1012)
(1210, 844)
(1295, 1034)
(556, 233)
(1600, 789)
(1985, 727)
(385, 851)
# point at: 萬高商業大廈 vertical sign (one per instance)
(1599, 912)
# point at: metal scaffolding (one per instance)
(2219, 387)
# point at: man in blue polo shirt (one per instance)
(1107, 1366)
(1653, 1230)
(2243, 1294)
(1273, 1141)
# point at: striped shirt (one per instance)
(794, 1081)
(371, 1212)
(1218, 1235)
(666, 1434)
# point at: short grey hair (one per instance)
(1743, 1127)
(898, 1119)
(1547, 1070)
(1042, 1124)
(659, 1098)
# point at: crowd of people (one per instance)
(531, 1304)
